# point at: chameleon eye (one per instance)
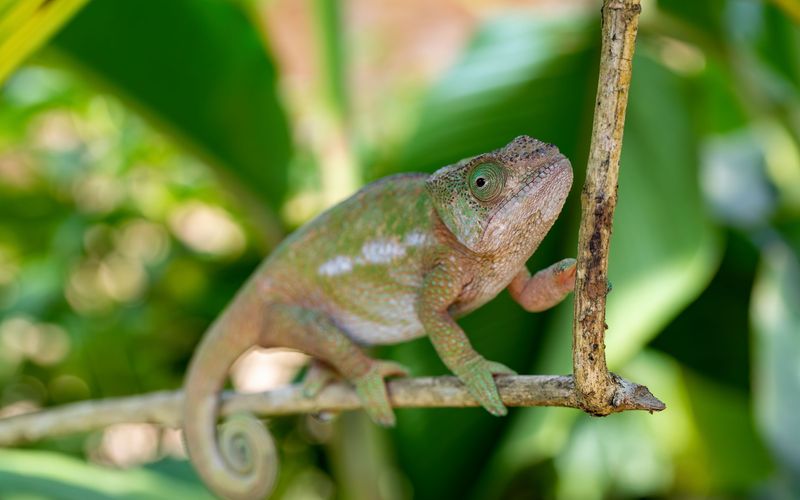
(486, 181)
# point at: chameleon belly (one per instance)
(372, 295)
(365, 261)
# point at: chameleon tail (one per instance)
(239, 461)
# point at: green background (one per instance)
(150, 156)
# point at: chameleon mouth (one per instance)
(536, 183)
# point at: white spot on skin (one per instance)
(415, 239)
(382, 251)
(336, 266)
(372, 252)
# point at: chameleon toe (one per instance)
(499, 368)
(391, 369)
(371, 390)
(317, 378)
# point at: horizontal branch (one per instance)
(164, 408)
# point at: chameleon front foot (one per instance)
(477, 374)
(371, 390)
(564, 275)
(546, 288)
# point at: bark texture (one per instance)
(599, 391)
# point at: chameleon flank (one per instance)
(400, 259)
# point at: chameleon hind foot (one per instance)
(477, 375)
(371, 390)
(319, 375)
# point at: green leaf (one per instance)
(778, 44)
(25, 25)
(521, 74)
(776, 371)
(729, 291)
(636, 465)
(665, 248)
(200, 70)
(26, 474)
(706, 16)
(733, 449)
(327, 18)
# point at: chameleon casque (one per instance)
(399, 259)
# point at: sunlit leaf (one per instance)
(199, 69)
(664, 248)
(734, 453)
(729, 291)
(520, 75)
(636, 464)
(776, 377)
(48, 475)
(25, 25)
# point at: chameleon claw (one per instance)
(371, 390)
(499, 368)
(391, 369)
(565, 273)
(477, 375)
(565, 264)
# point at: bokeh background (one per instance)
(152, 152)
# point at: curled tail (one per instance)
(240, 461)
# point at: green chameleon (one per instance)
(399, 259)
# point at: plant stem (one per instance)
(164, 408)
(598, 390)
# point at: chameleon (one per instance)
(402, 258)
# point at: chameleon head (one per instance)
(511, 196)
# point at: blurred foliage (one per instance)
(149, 157)
(220, 96)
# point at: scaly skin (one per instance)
(399, 259)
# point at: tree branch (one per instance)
(164, 408)
(598, 390)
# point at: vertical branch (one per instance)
(338, 164)
(599, 391)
